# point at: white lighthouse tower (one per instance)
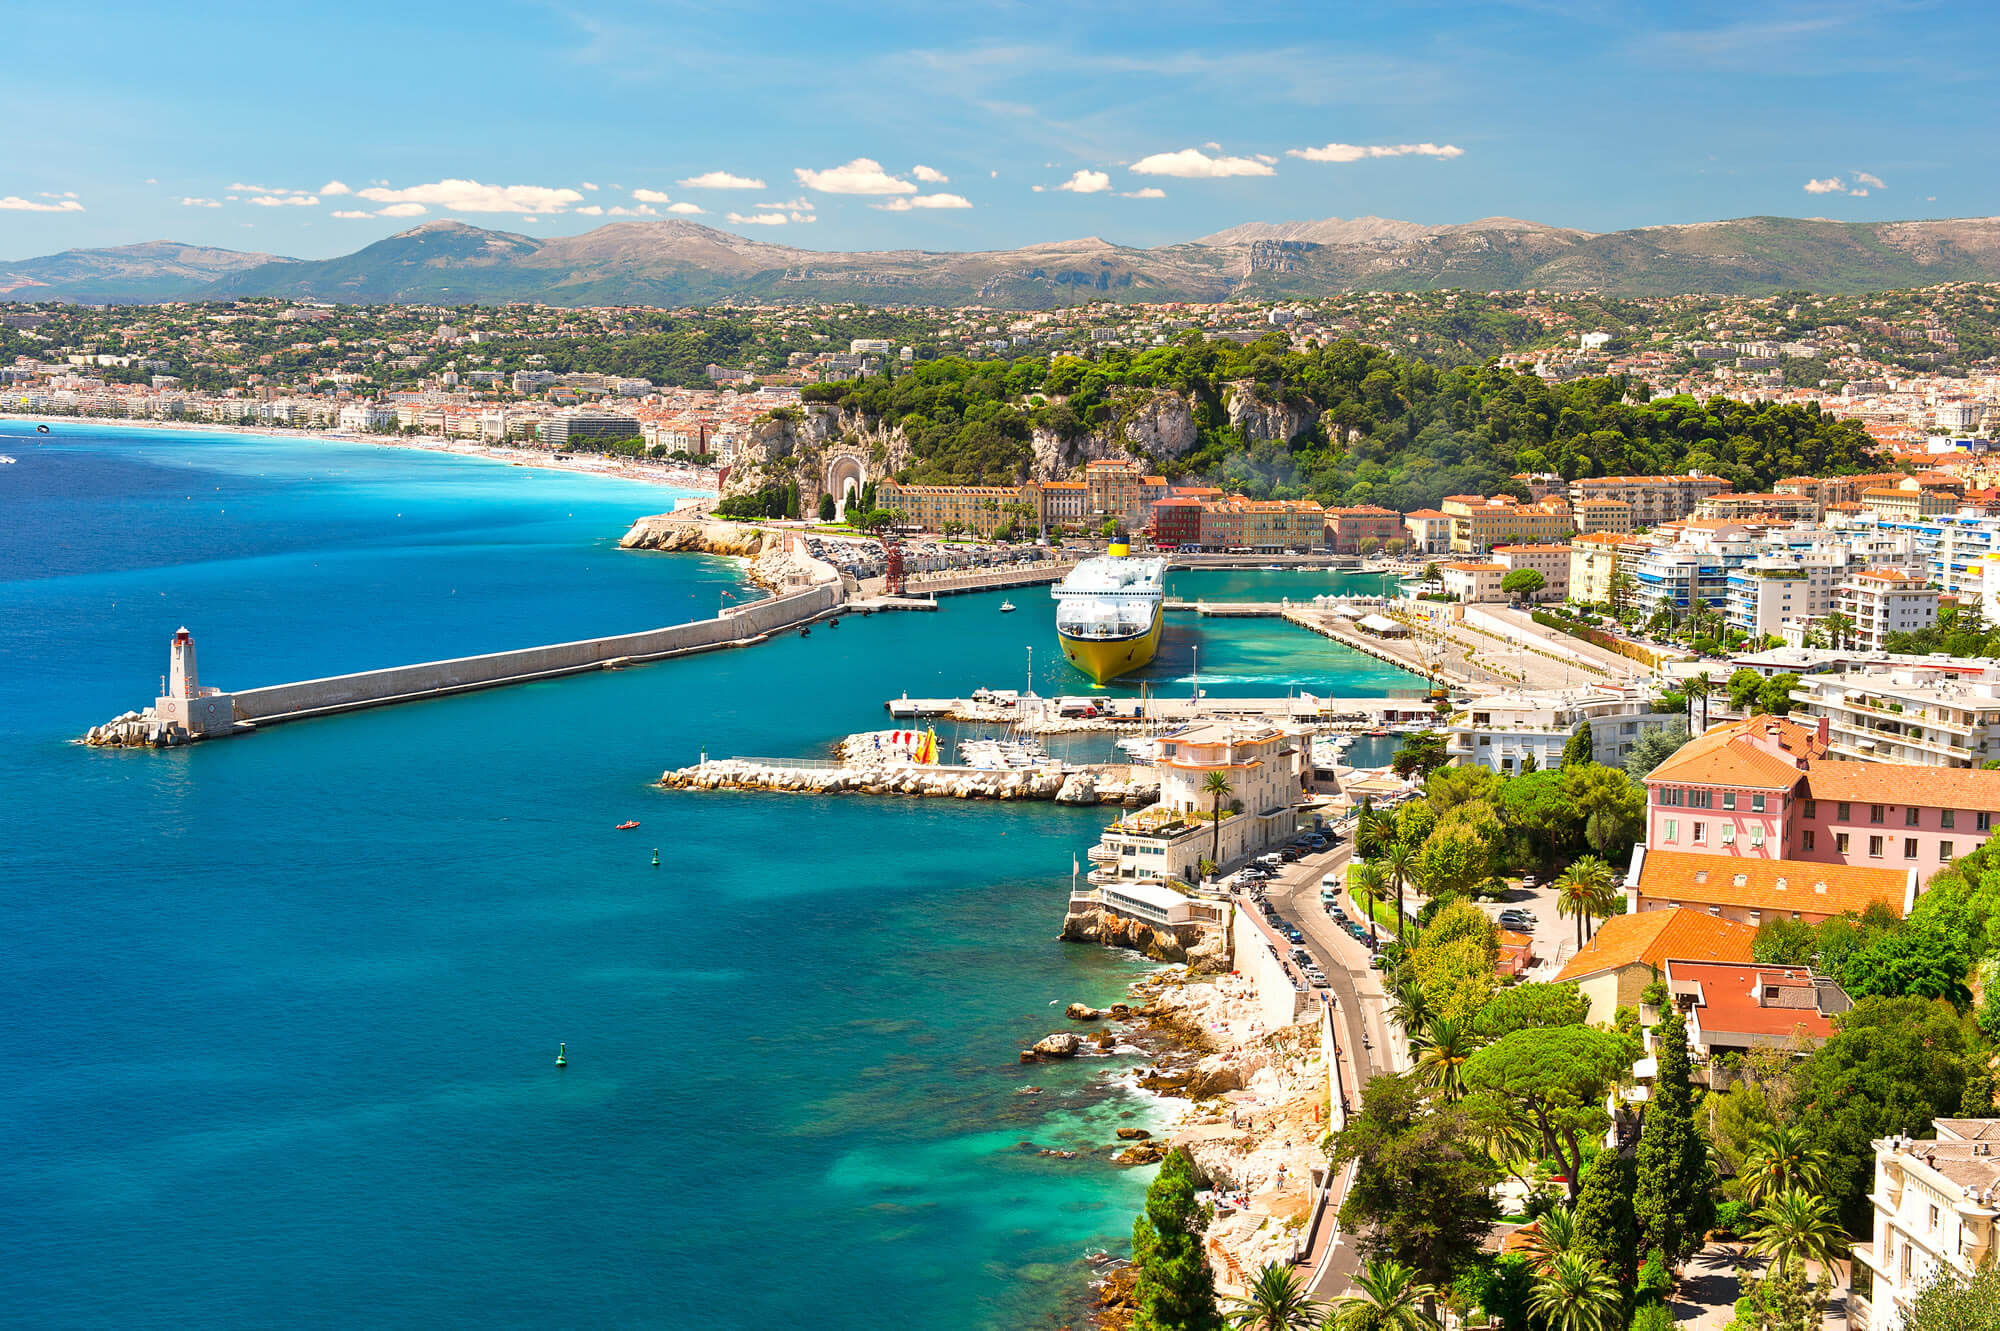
(198, 711)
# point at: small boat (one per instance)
(805, 633)
(1007, 607)
(626, 826)
(41, 429)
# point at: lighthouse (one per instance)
(198, 711)
(181, 679)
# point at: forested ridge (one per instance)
(1379, 428)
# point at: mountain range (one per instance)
(673, 263)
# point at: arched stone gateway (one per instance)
(846, 474)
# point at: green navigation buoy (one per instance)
(656, 857)
(562, 1054)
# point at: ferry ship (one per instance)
(1108, 612)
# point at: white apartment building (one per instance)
(1885, 601)
(1935, 1204)
(1501, 732)
(1473, 583)
(1930, 716)
(1168, 840)
(1769, 591)
(1551, 561)
(359, 416)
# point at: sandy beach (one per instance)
(679, 475)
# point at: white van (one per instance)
(1272, 861)
(1329, 887)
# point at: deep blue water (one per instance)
(282, 1010)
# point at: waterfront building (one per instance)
(566, 429)
(1936, 1208)
(1472, 581)
(1168, 840)
(1551, 561)
(1652, 499)
(1061, 503)
(980, 510)
(1429, 531)
(1504, 731)
(1479, 523)
(1885, 601)
(1120, 489)
(1262, 525)
(1769, 789)
(1349, 529)
(1176, 522)
(1922, 712)
(1626, 953)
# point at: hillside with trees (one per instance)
(1371, 426)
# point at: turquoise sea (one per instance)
(282, 1011)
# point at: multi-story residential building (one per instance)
(1473, 582)
(1503, 731)
(1743, 507)
(1121, 490)
(1624, 956)
(1593, 567)
(1765, 788)
(1769, 591)
(1753, 892)
(1908, 501)
(1176, 522)
(1929, 714)
(1734, 1008)
(565, 429)
(1551, 561)
(1885, 601)
(1349, 529)
(1653, 499)
(1168, 840)
(1612, 515)
(1675, 577)
(1429, 531)
(1936, 1210)
(980, 510)
(1479, 523)
(1265, 525)
(1061, 503)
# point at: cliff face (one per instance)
(664, 531)
(1259, 418)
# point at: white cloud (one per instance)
(1213, 147)
(469, 196)
(66, 194)
(805, 217)
(1038, 188)
(995, 175)
(649, 196)
(863, 175)
(692, 209)
(333, 187)
(720, 180)
(286, 200)
(1355, 152)
(802, 205)
(1150, 192)
(587, 185)
(259, 189)
(351, 214)
(592, 211)
(1831, 185)
(923, 201)
(192, 202)
(1086, 182)
(930, 175)
(152, 180)
(1266, 159)
(1193, 164)
(643, 210)
(1872, 181)
(14, 203)
(403, 210)
(759, 219)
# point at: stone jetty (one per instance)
(136, 730)
(965, 783)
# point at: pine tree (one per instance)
(1580, 749)
(1175, 1290)
(1674, 1200)
(1607, 1228)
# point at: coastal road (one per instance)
(1359, 1002)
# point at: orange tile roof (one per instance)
(1652, 936)
(1772, 885)
(1728, 755)
(1923, 787)
(1730, 993)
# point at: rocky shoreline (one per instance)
(860, 772)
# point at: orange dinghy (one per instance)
(626, 827)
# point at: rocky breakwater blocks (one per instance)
(136, 730)
(933, 782)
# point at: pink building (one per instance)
(1763, 788)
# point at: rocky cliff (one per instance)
(707, 536)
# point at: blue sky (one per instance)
(312, 129)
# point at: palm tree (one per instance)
(1215, 786)
(1276, 1301)
(1699, 685)
(1400, 863)
(1410, 1006)
(1387, 1296)
(1799, 1226)
(1441, 1051)
(1587, 887)
(1373, 831)
(1781, 1158)
(1839, 629)
(1576, 1294)
(1366, 883)
(1551, 1235)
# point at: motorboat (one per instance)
(1008, 607)
(627, 826)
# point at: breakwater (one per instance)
(213, 714)
(1107, 785)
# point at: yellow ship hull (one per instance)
(1104, 659)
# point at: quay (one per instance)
(1034, 713)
